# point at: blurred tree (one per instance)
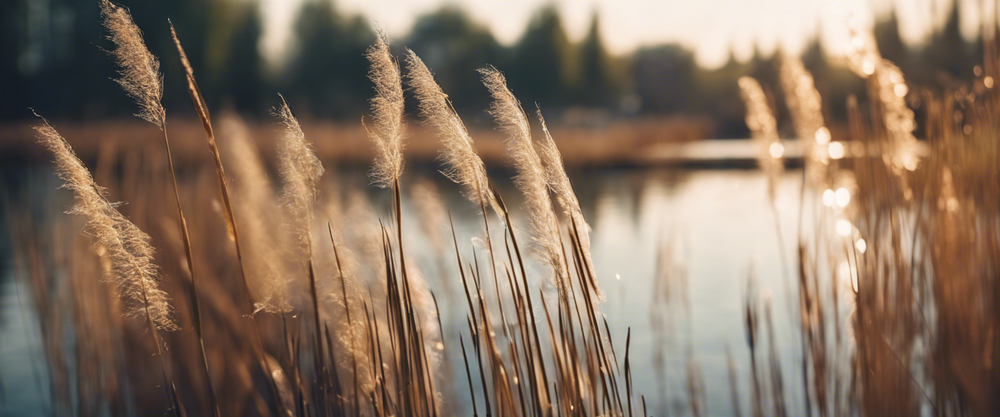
(718, 95)
(889, 41)
(539, 70)
(454, 47)
(947, 50)
(665, 79)
(12, 89)
(53, 61)
(596, 88)
(241, 80)
(329, 72)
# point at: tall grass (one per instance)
(308, 305)
(885, 293)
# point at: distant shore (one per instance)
(613, 144)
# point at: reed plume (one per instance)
(140, 77)
(761, 122)
(139, 71)
(898, 119)
(387, 114)
(531, 175)
(132, 270)
(465, 167)
(562, 189)
(300, 171)
(806, 108)
(887, 85)
(253, 193)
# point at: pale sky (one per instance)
(711, 28)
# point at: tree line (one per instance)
(52, 59)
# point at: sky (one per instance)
(711, 28)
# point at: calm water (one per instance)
(711, 228)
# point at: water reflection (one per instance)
(673, 250)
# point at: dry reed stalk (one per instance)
(531, 175)
(141, 79)
(206, 121)
(131, 267)
(465, 167)
(202, 109)
(805, 106)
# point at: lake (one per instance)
(673, 250)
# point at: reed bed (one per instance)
(881, 280)
(297, 297)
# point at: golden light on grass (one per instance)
(894, 235)
(133, 270)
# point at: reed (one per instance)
(465, 167)
(387, 114)
(131, 266)
(531, 175)
(897, 295)
(140, 77)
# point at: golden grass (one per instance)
(308, 305)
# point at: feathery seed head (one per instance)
(300, 170)
(761, 122)
(258, 219)
(132, 269)
(531, 175)
(562, 189)
(806, 108)
(464, 166)
(387, 114)
(139, 71)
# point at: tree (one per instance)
(454, 47)
(329, 72)
(596, 86)
(540, 68)
(242, 79)
(888, 40)
(664, 78)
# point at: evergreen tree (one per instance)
(539, 68)
(596, 87)
(243, 81)
(329, 72)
